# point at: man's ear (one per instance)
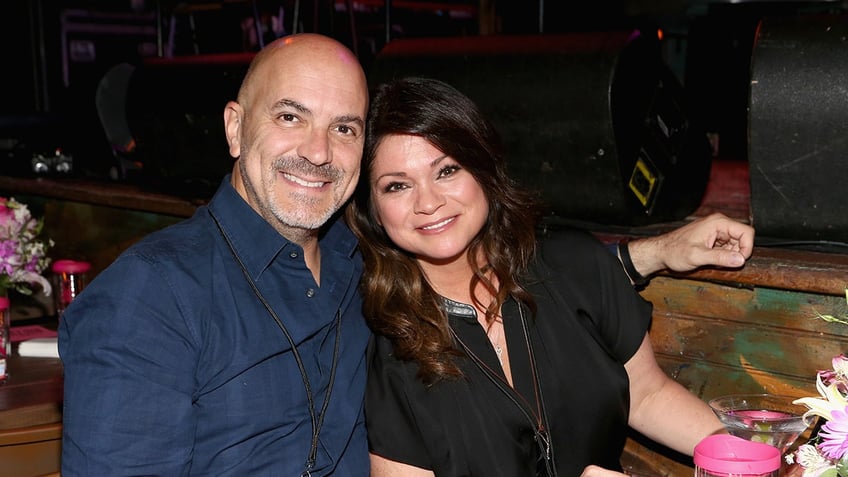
(233, 114)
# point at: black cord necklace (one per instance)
(545, 466)
(317, 420)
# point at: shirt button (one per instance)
(293, 254)
(310, 292)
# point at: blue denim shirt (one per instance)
(174, 367)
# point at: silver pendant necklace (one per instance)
(495, 338)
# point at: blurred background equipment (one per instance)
(594, 121)
(798, 125)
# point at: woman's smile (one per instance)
(427, 203)
(438, 226)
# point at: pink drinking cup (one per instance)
(724, 455)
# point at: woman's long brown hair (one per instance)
(398, 301)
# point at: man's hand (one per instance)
(713, 240)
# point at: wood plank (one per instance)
(784, 269)
(642, 458)
(31, 451)
(771, 307)
(99, 192)
(710, 380)
(776, 332)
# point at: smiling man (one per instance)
(233, 343)
(299, 133)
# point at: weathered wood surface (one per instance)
(98, 192)
(786, 269)
(758, 329)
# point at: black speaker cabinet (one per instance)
(594, 121)
(798, 124)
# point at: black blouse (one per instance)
(590, 321)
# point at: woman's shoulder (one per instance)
(570, 247)
(567, 235)
(382, 359)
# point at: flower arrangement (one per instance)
(23, 256)
(826, 455)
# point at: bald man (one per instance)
(233, 343)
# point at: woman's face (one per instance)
(428, 204)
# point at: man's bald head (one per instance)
(295, 52)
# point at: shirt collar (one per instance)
(459, 310)
(257, 242)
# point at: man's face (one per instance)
(300, 141)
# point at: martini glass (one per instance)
(768, 418)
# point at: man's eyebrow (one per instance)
(351, 118)
(345, 118)
(290, 103)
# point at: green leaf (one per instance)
(833, 319)
(842, 466)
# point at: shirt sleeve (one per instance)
(393, 427)
(129, 364)
(593, 279)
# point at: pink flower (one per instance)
(838, 374)
(6, 213)
(811, 460)
(23, 256)
(834, 435)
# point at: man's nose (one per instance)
(315, 147)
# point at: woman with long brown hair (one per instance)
(500, 351)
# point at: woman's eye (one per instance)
(448, 170)
(394, 187)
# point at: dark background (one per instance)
(56, 52)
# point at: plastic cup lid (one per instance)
(733, 455)
(70, 266)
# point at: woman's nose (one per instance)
(428, 200)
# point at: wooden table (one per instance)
(31, 417)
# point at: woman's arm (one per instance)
(662, 409)
(382, 467)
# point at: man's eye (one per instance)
(346, 130)
(288, 117)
